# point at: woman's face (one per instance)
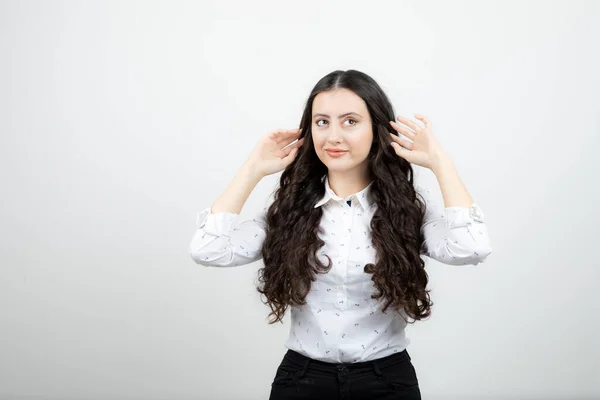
(340, 120)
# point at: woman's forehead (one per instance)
(338, 102)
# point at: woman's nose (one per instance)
(334, 135)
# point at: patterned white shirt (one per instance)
(340, 322)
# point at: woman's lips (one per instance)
(333, 153)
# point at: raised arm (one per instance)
(453, 226)
(221, 239)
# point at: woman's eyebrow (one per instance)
(339, 116)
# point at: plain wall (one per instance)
(120, 120)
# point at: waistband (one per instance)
(304, 361)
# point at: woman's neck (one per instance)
(344, 184)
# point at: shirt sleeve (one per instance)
(453, 235)
(222, 240)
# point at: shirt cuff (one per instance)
(457, 217)
(217, 224)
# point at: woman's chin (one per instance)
(338, 167)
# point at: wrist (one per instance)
(251, 171)
(440, 162)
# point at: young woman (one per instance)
(342, 241)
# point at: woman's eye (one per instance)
(355, 122)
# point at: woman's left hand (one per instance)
(425, 150)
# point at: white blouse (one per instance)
(340, 322)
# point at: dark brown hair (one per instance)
(290, 248)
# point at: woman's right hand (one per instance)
(269, 157)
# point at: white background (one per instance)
(120, 120)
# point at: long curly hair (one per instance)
(292, 241)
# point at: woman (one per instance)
(343, 239)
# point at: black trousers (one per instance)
(300, 377)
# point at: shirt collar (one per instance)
(364, 197)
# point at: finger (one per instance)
(424, 119)
(401, 151)
(290, 157)
(289, 148)
(404, 142)
(281, 135)
(403, 129)
(285, 131)
(287, 136)
(402, 137)
(411, 124)
(288, 140)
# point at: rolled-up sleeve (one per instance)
(453, 235)
(222, 240)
